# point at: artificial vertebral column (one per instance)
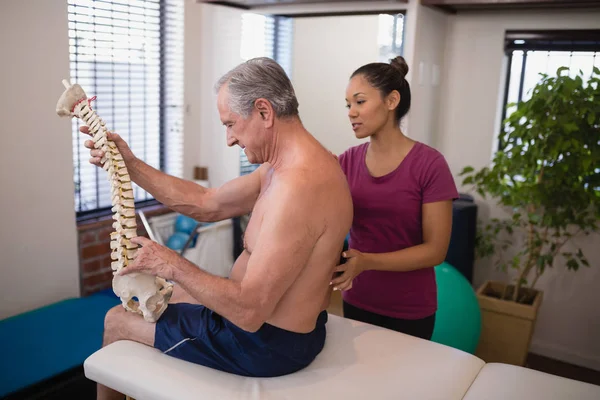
(153, 293)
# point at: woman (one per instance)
(402, 192)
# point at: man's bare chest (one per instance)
(256, 218)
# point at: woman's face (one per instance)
(367, 110)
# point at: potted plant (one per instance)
(546, 178)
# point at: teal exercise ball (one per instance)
(185, 224)
(458, 318)
(177, 240)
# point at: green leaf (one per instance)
(534, 218)
(591, 118)
(541, 261)
(585, 262)
(466, 170)
(572, 264)
(515, 262)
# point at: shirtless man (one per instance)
(268, 318)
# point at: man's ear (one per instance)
(267, 114)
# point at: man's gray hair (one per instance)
(259, 78)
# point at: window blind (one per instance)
(129, 55)
(265, 36)
(283, 46)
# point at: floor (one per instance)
(555, 367)
(534, 361)
(69, 384)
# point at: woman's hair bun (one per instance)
(400, 64)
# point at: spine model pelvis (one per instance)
(152, 293)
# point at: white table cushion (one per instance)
(359, 361)
(502, 381)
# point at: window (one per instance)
(265, 36)
(130, 55)
(532, 53)
(391, 36)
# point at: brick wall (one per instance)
(94, 250)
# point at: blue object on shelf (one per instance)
(185, 224)
(45, 342)
(177, 240)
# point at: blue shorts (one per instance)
(194, 333)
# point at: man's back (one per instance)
(313, 206)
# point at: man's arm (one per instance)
(283, 247)
(234, 198)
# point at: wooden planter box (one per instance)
(506, 326)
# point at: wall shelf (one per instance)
(460, 5)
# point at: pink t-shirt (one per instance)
(387, 218)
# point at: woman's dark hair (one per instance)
(387, 78)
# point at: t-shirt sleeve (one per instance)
(438, 183)
(343, 159)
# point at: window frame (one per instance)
(571, 40)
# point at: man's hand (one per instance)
(97, 154)
(154, 259)
(357, 263)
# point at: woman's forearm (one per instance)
(409, 259)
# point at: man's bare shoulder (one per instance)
(309, 181)
(291, 184)
(313, 195)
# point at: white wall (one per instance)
(38, 240)
(326, 52)
(472, 82)
(426, 31)
(213, 40)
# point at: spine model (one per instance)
(152, 293)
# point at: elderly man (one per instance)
(268, 318)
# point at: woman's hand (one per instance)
(356, 263)
(154, 259)
(97, 154)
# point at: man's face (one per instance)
(242, 132)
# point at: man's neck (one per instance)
(286, 137)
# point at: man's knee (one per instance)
(120, 324)
(113, 324)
